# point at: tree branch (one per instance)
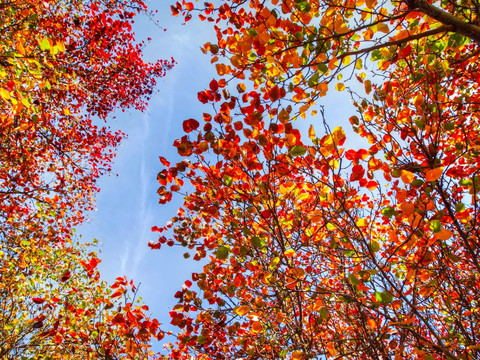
(459, 26)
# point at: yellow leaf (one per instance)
(346, 60)
(340, 86)
(303, 196)
(433, 174)
(358, 64)
(242, 310)
(5, 94)
(289, 253)
(361, 223)
(311, 132)
(338, 134)
(61, 46)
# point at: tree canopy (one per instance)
(61, 64)
(314, 249)
(53, 305)
(64, 66)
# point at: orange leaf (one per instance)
(433, 174)
(297, 355)
(256, 327)
(407, 208)
(333, 63)
(407, 176)
(331, 349)
(444, 234)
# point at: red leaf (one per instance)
(190, 125)
(266, 214)
(202, 96)
(37, 300)
(357, 173)
(405, 51)
(214, 85)
(118, 319)
(174, 10)
(164, 161)
(67, 275)
(94, 262)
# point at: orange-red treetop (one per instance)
(314, 249)
(61, 65)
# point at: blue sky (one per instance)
(127, 206)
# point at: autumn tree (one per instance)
(53, 305)
(314, 249)
(64, 66)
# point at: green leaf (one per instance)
(322, 68)
(353, 279)
(257, 242)
(388, 212)
(417, 183)
(298, 150)
(350, 253)
(376, 55)
(386, 297)
(303, 6)
(222, 252)
(252, 32)
(227, 180)
(324, 313)
(313, 80)
(374, 246)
